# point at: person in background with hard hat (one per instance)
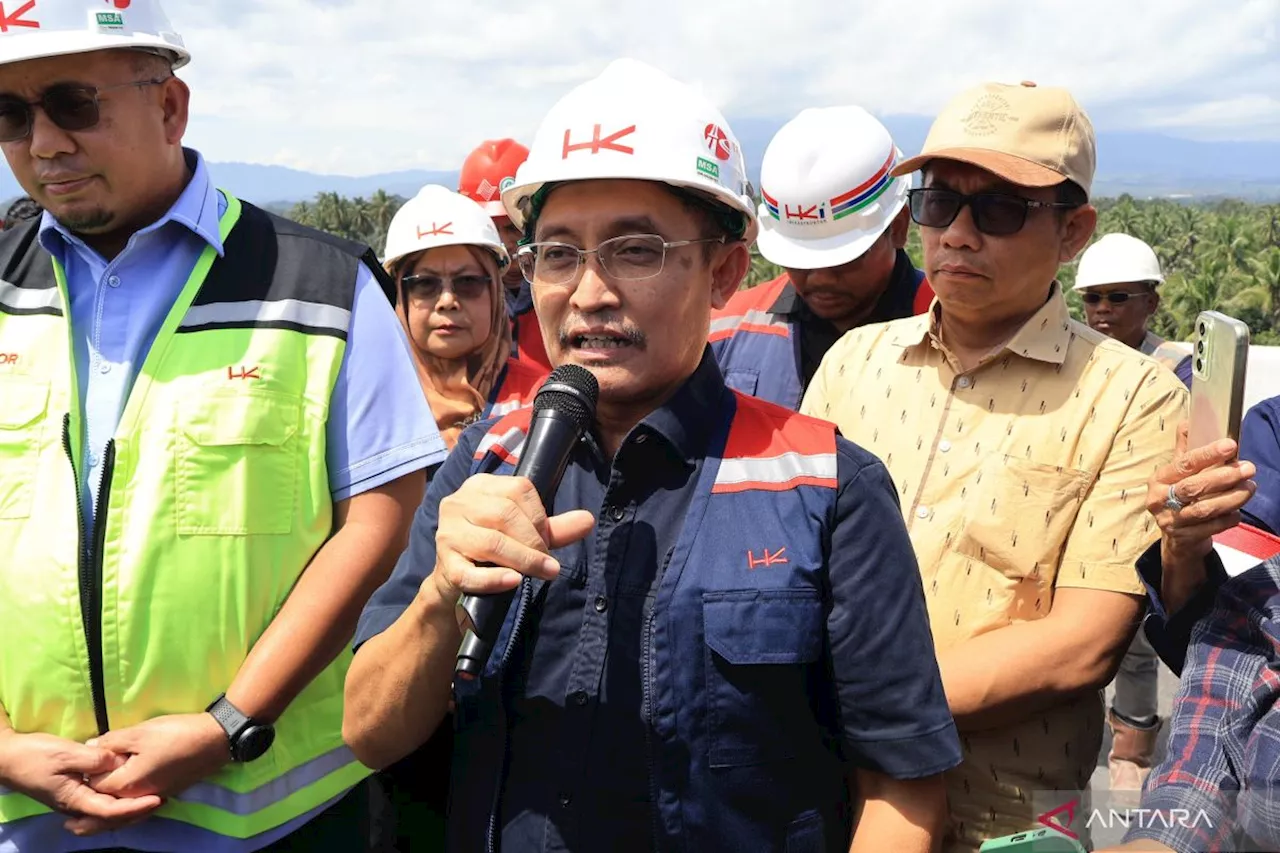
(835, 218)
(447, 259)
(1118, 279)
(486, 172)
(737, 657)
(211, 442)
(1020, 441)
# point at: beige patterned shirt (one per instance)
(1023, 475)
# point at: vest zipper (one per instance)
(90, 571)
(646, 674)
(524, 601)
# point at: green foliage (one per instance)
(1224, 256)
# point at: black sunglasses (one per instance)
(1118, 297)
(429, 287)
(995, 214)
(69, 106)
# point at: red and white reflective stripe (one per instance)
(776, 473)
(1243, 547)
(506, 407)
(760, 322)
(506, 446)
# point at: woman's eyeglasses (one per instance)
(429, 287)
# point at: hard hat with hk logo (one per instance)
(437, 216)
(826, 191)
(635, 122)
(34, 29)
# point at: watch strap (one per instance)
(233, 722)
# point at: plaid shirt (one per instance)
(1224, 743)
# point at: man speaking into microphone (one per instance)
(718, 640)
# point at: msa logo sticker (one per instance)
(708, 169)
(110, 20)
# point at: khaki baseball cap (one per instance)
(1033, 136)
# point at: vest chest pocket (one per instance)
(24, 408)
(237, 460)
(742, 379)
(760, 644)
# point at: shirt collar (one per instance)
(1044, 337)
(196, 209)
(684, 422)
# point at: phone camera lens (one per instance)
(1202, 330)
(1200, 347)
(1199, 365)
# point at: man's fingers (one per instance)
(86, 802)
(1215, 481)
(468, 578)
(1208, 529)
(1212, 507)
(569, 527)
(120, 741)
(501, 515)
(1184, 436)
(1197, 459)
(87, 760)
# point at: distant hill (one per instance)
(1141, 164)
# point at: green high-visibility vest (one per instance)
(215, 498)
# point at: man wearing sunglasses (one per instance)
(211, 445)
(836, 220)
(1117, 278)
(1020, 442)
(723, 645)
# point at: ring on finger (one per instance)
(1171, 500)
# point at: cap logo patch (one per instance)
(599, 143)
(988, 116)
(717, 142)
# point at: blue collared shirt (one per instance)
(380, 426)
(585, 638)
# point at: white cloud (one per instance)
(360, 87)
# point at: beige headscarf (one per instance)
(458, 389)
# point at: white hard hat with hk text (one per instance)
(1118, 259)
(826, 191)
(635, 122)
(437, 216)
(35, 29)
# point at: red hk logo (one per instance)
(17, 17)
(244, 373)
(435, 230)
(803, 212)
(599, 143)
(717, 142)
(776, 558)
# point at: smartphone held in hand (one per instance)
(1220, 355)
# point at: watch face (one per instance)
(253, 742)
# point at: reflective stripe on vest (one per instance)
(220, 461)
(515, 389)
(1243, 547)
(741, 750)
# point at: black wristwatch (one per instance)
(247, 737)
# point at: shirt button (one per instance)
(92, 460)
(641, 439)
(565, 801)
(104, 368)
(578, 697)
(922, 512)
(944, 445)
(114, 281)
(617, 513)
(964, 382)
(602, 604)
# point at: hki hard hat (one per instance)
(437, 216)
(42, 28)
(635, 122)
(489, 170)
(826, 188)
(1117, 259)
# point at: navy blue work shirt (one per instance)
(577, 777)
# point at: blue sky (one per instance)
(364, 86)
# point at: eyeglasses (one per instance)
(429, 287)
(630, 257)
(68, 106)
(994, 214)
(1118, 297)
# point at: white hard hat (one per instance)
(633, 121)
(40, 28)
(1117, 259)
(826, 188)
(437, 216)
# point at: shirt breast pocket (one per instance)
(23, 419)
(760, 645)
(742, 379)
(238, 459)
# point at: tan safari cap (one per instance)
(1030, 135)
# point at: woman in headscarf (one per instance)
(447, 259)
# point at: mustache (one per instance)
(627, 331)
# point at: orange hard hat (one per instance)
(489, 170)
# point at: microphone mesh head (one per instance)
(570, 390)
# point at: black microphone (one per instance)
(564, 408)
